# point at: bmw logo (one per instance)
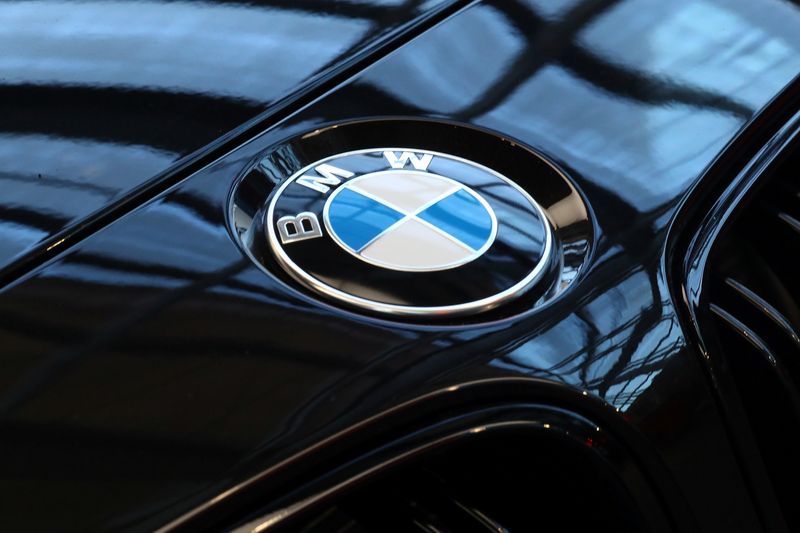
(409, 232)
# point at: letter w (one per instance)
(320, 184)
(420, 163)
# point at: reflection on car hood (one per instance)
(97, 97)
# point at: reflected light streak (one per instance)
(197, 47)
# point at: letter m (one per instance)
(419, 163)
(328, 175)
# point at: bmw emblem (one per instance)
(407, 231)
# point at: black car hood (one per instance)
(151, 369)
(98, 97)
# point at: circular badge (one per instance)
(408, 232)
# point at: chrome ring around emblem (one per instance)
(446, 237)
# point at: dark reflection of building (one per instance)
(98, 97)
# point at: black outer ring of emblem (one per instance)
(515, 261)
(542, 178)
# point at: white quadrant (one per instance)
(413, 245)
(404, 189)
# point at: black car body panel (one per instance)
(152, 375)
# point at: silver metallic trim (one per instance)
(474, 254)
(475, 306)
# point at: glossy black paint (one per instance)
(97, 98)
(151, 366)
(503, 436)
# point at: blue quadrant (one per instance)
(462, 216)
(356, 219)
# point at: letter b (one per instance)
(299, 228)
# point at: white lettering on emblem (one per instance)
(329, 173)
(299, 228)
(419, 163)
